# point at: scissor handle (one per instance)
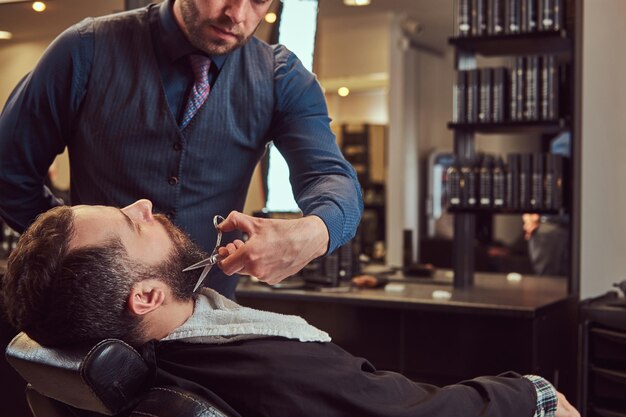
(217, 219)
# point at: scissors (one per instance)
(211, 260)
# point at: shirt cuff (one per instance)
(546, 396)
(333, 218)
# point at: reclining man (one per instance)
(87, 273)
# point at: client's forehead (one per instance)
(96, 224)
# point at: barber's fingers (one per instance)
(230, 248)
(227, 263)
(238, 221)
(235, 261)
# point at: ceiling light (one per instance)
(356, 2)
(5, 35)
(39, 6)
(270, 17)
(343, 91)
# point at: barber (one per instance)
(177, 103)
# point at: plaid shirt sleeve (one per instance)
(546, 396)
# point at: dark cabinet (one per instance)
(495, 326)
(603, 357)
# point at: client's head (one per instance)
(87, 273)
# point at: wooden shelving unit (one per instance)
(559, 43)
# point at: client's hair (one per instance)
(63, 297)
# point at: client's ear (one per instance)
(146, 296)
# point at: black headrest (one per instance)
(105, 378)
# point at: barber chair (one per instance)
(108, 379)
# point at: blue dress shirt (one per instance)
(44, 109)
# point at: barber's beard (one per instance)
(197, 31)
(183, 254)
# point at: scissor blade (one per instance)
(205, 262)
(202, 277)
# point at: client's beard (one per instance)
(183, 254)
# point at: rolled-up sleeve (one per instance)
(323, 182)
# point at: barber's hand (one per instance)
(564, 408)
(531, 223)
(275, 248)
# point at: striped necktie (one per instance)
(200, 65)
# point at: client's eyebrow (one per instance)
(129, 222)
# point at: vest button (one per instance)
(172, 180)
(178, 146)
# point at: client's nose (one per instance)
(140, 210)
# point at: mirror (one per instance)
(388, 73)
(356, 61)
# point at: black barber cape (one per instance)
(280, 377)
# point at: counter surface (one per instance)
(495, 326)
(491, 294)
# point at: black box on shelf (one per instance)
(479, 17)
(463, 25)
(512, 181)
(551, 15)
(499, 97)
(528, 15)
(485, 182)
(566, 94)
(459, 98)
(499, 181)
(531, 87)
(516, 91)
(559, 14)
(495, 17)
(525, 181)
(512, 21)
(549, 88)
(545, 14)
(537, 190)
(472, 96)
(554, 182)
(453, 185)
(486, 98)
(468, 185)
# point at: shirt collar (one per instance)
(174, 40)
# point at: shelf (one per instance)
(533, 43)
(479, 210)
(522, 126)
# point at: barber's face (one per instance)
(219, 26)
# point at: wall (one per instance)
(337, 58)
(416, 104)
(358, 107)
(16, 60)
(603, 194)
(350, 46)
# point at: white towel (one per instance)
(218, 320)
